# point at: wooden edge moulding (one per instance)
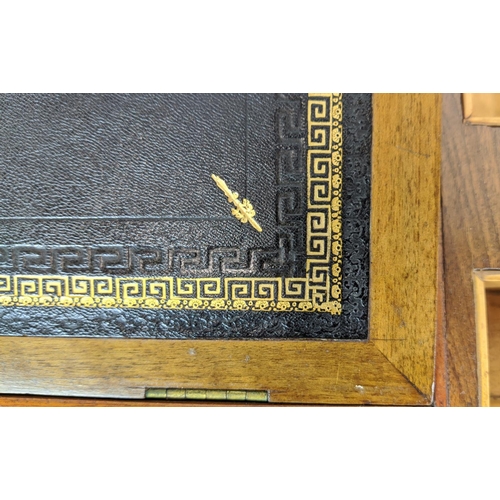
(485, 280)
(394, 367)
(481, 109)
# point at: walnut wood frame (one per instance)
(394, 367)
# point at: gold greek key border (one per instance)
(318, 291)
(324, 209)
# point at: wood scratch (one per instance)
(413, 152)
(338, 374)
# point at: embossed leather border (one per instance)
(319, 291)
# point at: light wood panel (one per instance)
(405, 211)
(487, 304)
(482, 109)
(294, 372)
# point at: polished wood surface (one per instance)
(471, 229)
(294, 372)
(405, 225)
(396, 367)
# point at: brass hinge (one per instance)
(208, 395)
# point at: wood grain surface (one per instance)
(396, 367)
(405, 225)
(471, 229)
(294, 372)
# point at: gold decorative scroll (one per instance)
(244, 210)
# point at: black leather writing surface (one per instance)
(112, 225)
